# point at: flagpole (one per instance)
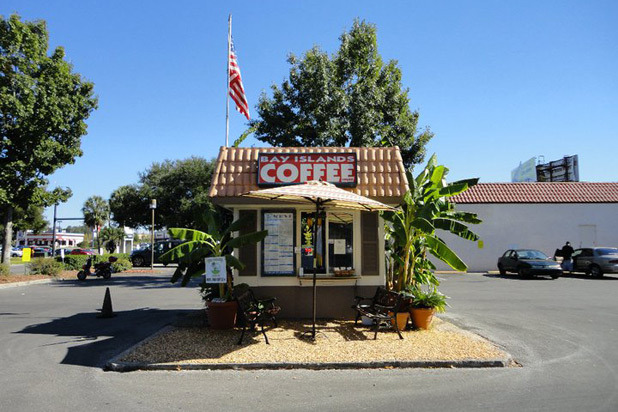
(227, 95)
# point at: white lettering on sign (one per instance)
(278, 168)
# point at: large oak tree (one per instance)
(351, 98)
(43, 108)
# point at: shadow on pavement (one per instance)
(514, 276)
(96, 340)
(156, 281)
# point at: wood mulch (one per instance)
(337, 341)
(15, 278)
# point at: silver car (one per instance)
(595, 261)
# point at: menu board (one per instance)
(278, 257)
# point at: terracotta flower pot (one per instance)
(402, 320)
(222, 315)
(422, 317)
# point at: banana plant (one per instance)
(217, 242)
(411, 230)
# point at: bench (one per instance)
(255, 311)
(381, 309)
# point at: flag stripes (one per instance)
(237, 91)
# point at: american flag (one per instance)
(237, 92)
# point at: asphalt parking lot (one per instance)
(563, 333)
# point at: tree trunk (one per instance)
(8, 235)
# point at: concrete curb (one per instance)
(26, 283)
(470, 363)
(117, 366)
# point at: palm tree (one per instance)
(96, 212)
(113, 236)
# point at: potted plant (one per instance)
(411, 230)
(191, 255)
(425, 304)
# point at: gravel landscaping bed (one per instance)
(338, 342)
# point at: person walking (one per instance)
(566, 252)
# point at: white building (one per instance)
(535, 215)
(63, 239)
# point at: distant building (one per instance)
(63, 239)
(525, 172)
(537, 216)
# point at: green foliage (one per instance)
(45, 266)
(181, 188)
(430, 299)
(217, 241)
(121, 265)
(5, 270)
(43, 108)
(96, 213)
(411, 230)
(112, 236)
(352, 98)
(73, 262)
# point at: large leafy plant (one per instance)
(412, 229)
(216, 242)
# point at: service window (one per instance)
(340, 238)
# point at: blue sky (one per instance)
(497, 82)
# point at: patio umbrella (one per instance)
(321, 194)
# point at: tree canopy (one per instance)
(180, 187)
(43, 108)
(351, 98)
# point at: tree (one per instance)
(350, 99)
(180, 187)
(96, 213)
(43, 108)
(112, 236)
(30, 218)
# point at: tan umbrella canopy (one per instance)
(321, 194)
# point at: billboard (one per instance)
(563, 170)
(525, 172)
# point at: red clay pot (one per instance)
(222, 315)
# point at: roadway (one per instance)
(562, 332)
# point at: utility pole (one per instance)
(153, 206)
(54, 233)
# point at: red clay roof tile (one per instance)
(536, 192)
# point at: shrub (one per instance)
(121, 265)
(45, 266)
(5, 269)
(73, 262)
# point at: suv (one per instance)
(141, 257)
(595, 261)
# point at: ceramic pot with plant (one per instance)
(425, 304)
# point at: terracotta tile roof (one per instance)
(536, 192)
(380, 171)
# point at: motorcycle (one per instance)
(101, 269)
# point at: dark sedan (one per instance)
(527, 263)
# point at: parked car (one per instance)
(16, 252)
(595, 261)
(82, 252)
(527, 263)
(40, 251)
(142, 256)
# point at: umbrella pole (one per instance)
(315, 264)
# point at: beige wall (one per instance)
(545, 227)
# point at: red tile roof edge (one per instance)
(540, 192)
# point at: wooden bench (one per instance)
(255, 311)
(381, 309)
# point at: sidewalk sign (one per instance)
(215, 270)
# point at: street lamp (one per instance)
(153, 206)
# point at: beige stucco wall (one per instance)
(545, 227)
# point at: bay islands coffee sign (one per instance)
(276, 169)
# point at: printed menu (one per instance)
(279, 244)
